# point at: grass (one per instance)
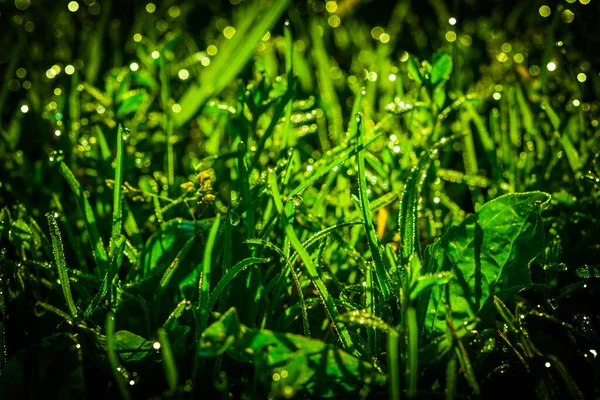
(299, 199)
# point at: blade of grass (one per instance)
(201, 313)
(165, 94)
(117, 218)
(289, 138)
(393, 359)
(329, 96)
(339, 157)
(115, 263)
(113, 358)
(166, 278)
(279, 284)
(311, 270)
(98, 250)
(228, 63)
(61, 264)
(412, 372)
(237, 268)
(169, 364)
(372, 240)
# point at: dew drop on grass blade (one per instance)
(373, 241)
(113, 268)
(98, 250)
(312, 272)
(61, 264)
(117, 218)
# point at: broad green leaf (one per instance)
(321, 369)
(164, 244)
(441, 68)
(488, 253)
(588, 271)
(131, 347)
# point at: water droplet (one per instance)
(56, 156)
(234, 219)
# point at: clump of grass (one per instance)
(298, 201)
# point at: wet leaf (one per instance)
(488, 253)
(441, 68)
(321, 369)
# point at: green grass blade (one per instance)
(373, 241)
(115, 263)
(451, 377)
(412, 372)
(166, 278)
(467, 367)
(232, 273)
(169, 364)
(311, 270)
(329, 96)
(228, 63)
(56, 311)
(98, 250)
(289, 138)
(280, 283)
(202, 313)
(339, 159)
(244, 182)
(103, 144)
(117, 218)
(113, 358)
(165, 94)
(61, 264)
(204, 283)
(393, 358)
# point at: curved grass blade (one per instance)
(98, 250)
(201, 313)
(166, 278)
(204, 283)
(279, 283)
(113, 358)
(56, 311)
(237, 268)
(407, 216)
(61, 264)
(229, 62)
(169, 364)
(115, 263)
(311, 270)
(373, 241)
(339, 157)
(117, 217)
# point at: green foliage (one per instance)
(288, 363)
(489, 254)
(298, 199)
